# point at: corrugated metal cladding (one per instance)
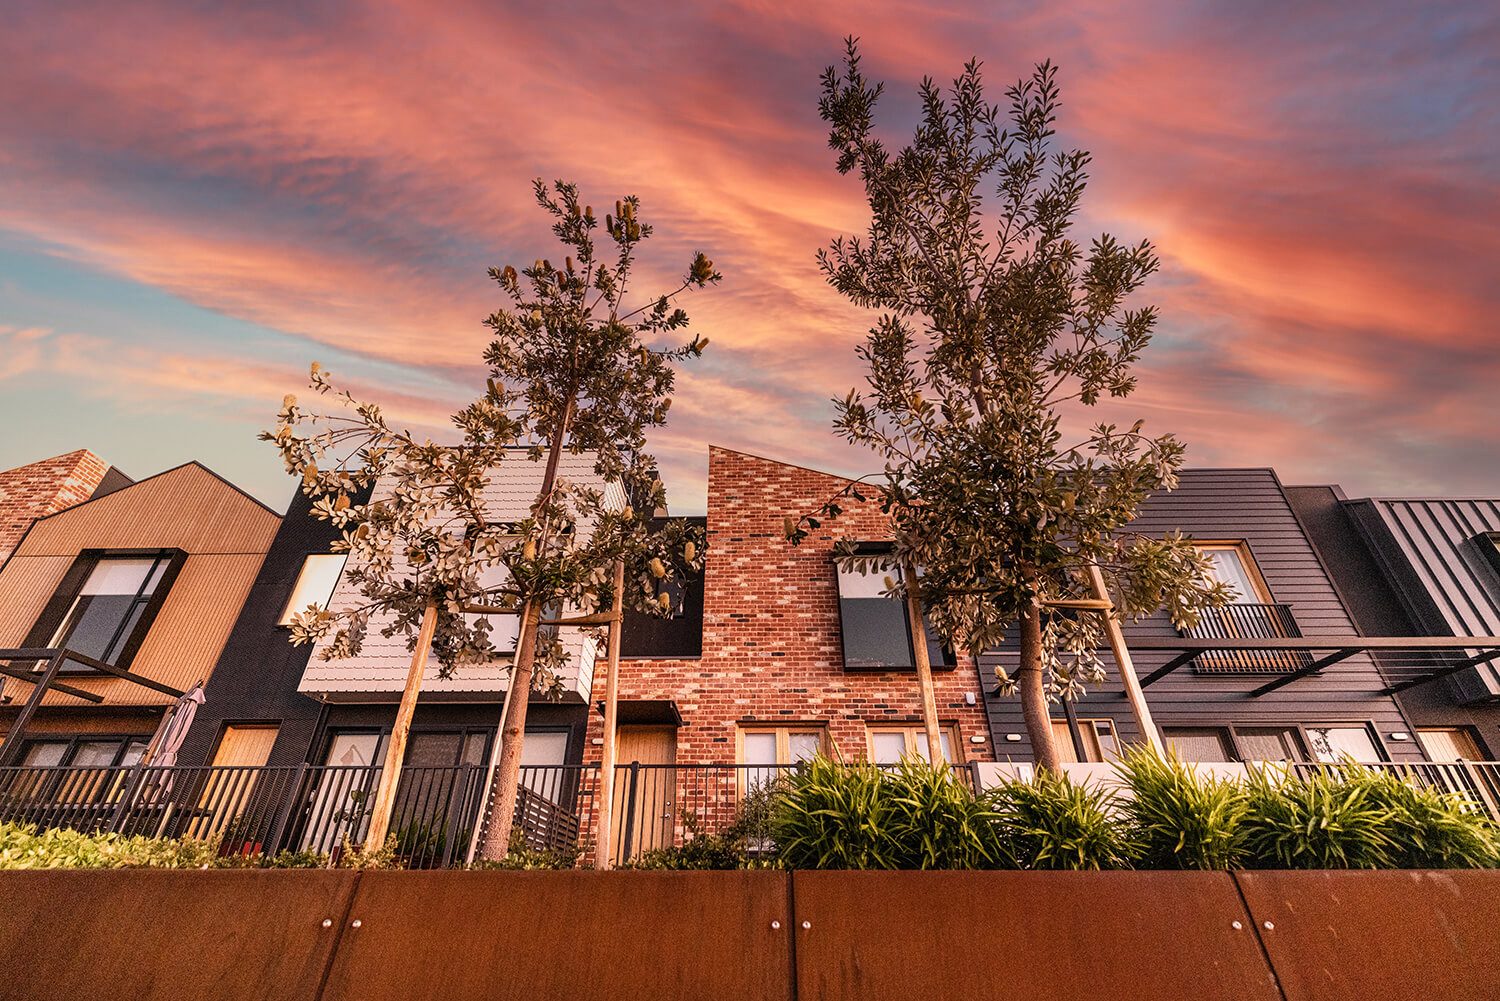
(379, 672)
(1225, 505)
(1435, 550)
(225, 533)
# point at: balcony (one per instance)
(1249, 621)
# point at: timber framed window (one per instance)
(770, 748)
(1100, 740)
(105, 605)
(1276, 742)
(889, 744)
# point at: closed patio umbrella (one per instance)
(162, 751)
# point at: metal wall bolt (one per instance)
(775, 925)
(328, 922)
(355, 923)
(806, 924)
(1235, 925)
(1268, 926)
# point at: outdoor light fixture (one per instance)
(1399, 735)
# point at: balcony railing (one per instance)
(1248, 621)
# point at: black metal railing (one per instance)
(1477, 781)
(1248, 621)
(437, 818)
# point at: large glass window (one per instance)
(1269, 743)
(102, 620)
(315, 583)
(776, 746)
(876, 633)
(1341, 743)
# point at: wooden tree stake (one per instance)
(390, 775)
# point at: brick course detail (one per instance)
(772, 651)
(45, 487)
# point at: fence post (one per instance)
(132, 790)
(627, 840)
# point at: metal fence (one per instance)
(439, 811)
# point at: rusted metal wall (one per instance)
(1003, 935)
(1379, 936)
(645, 936)
(566, 935)
(168, 936)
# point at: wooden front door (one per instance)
(645, 807)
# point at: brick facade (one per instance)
(772, 649)
(45, 487)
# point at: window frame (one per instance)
(915, 732)
(1065, 736)
(284, 620)
(1305, 744)
(1241, 548)
(55, 613)
(945, 659)
(784, 733)
(74, 739)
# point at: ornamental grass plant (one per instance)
(1178, 818)
(1051, 822)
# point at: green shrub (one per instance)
(1177, 819)
(746, 842)
(1333, 818)
(834, 816)
(24, 847)
(1052, 823)
(935, 821)
(524, 858)
(1435, 830)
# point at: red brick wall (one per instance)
(771, 645)
(41, 488)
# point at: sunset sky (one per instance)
(195, 204)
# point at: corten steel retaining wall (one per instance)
(766, 936)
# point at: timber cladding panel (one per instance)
(566, 935)
(151, 935)
(226, 535)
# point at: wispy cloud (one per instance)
(1320, 182)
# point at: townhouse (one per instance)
(116, 606)
(1360, 628)
(1421, 566)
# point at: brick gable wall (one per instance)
(41, 488)
(771, 644)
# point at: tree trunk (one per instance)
(390, 775)
(604, 802)
(512, 730)
(1033, 692)
(513, 727)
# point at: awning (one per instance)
(1404, 661)
(645, 712)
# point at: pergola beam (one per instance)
(1482, 658)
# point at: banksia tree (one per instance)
(996, 325)
(571, 370)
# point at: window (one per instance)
(505, 627)
(315, 583)
(106, 618)
(876, 634)
(889, 744)
(1202, 743)
(245, 745)
(84, 752)
(1339, 743)
(1232, 564)
(1100, 742)
(1269, 743)
(779, 745)
(1450, 743)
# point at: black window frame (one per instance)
(945, 659)
(1230, 732)
(72, 740)
(56, 610)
